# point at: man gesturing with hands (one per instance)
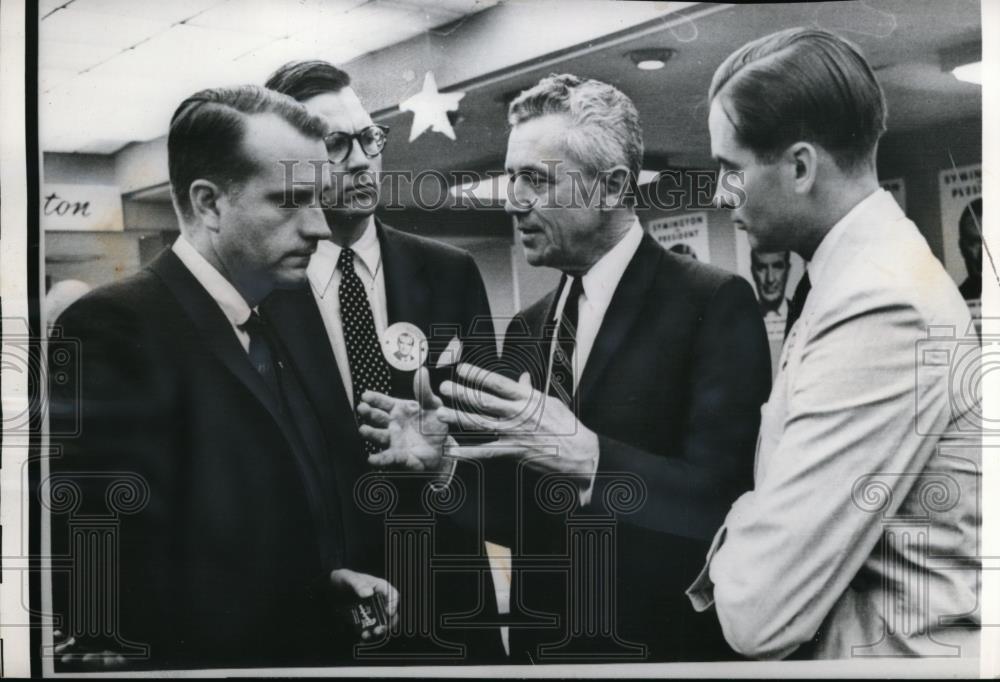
(642, 369)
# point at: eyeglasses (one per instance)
(372, 140)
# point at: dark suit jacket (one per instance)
(673, 388)
(225, 534)
(439, 289)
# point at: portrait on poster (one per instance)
(774, 276)
(961, 195)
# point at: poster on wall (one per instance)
(686, 234)
(774, 276)
(897, 188)
(961, 191)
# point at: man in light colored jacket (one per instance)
(860, 535)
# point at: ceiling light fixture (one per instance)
(651, 59)
(970, 73)
(965, 62)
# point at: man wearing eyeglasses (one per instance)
(364, 279)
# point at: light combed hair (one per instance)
(606, 131)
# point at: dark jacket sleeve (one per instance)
(110, 428)
(479, 347)
(688, 494)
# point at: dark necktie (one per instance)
(798, 302)
(261, 352)
(561, 383)
(369, 369)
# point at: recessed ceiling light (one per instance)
(964, 61)
(970, 73)
(650, 60)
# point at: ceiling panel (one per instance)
(901, 37)
(75, 57)
(168, 11)
(95, 28)
(274, 18)
(136, 51)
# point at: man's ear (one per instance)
(619, 190)
(206, 197)
(804, 158)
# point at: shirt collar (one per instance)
(233, 305)
(323, 263)
(602, 279)
(879, 203)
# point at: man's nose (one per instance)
(516, 203)
(357, 160)
(313, 223)
(722, 198)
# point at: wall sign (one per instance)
(686, 234)
(87, 208)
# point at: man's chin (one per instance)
(291, 278)
(349, 212)
(535, 258)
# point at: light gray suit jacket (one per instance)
(860, 536)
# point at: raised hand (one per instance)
(409, 430)
(530, 425)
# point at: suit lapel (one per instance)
(407, 293)
(623, 312)
(407, 296)
(217, 333)
(296, 319)
(212, 325)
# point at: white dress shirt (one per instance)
(229, 300)
(324, 278)
(599, 285)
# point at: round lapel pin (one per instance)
(404, 346)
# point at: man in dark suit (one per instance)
(631, 404)
(366, 278)
(197, 504)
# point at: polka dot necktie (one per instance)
(369, 369)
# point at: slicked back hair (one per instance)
(606, 131)
(206, 136)
(802, 84)
(302, 80)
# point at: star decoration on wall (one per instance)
(430, 109)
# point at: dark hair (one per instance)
(304, 79)
(206, 136)
(755, 256)
(802, 84)
(971, 217)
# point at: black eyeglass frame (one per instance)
(351, 137)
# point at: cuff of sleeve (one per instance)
(702, 590)
(446, 475)
(587, 492)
